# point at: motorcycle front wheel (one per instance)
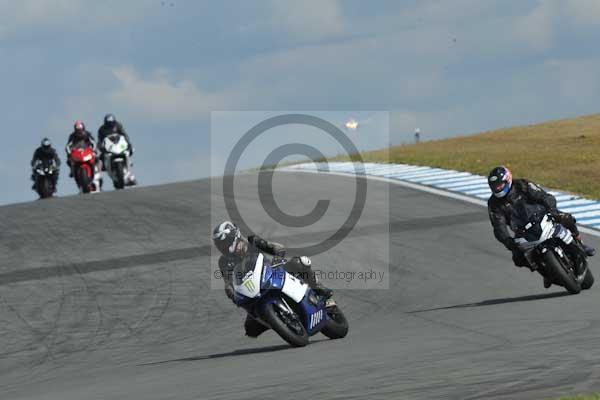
(45, 189)
(119, 182)
(588, 280)
(83, 180)
(286, 324)
(560, 273)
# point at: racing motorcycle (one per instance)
(117, 161)
(550, 248)
(43, 172)
(83, 162)
(284, 303)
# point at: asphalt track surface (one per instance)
(109, 296)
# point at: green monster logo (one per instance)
(248, 284)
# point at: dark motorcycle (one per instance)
(44, 177)
(550, 248)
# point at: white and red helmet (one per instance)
(79, 126)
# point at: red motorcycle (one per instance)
(83, 162)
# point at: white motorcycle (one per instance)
(117, 160)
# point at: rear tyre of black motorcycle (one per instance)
(296, 338)
(559, 273)
(119, 175)
(337, 326)
(588, 280)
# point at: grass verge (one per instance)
(562, 154)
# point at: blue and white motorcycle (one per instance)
(285, 303)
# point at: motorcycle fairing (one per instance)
(268, 284)
(115, 146)
(249, 284)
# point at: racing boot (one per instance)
(323, 291)
(589, 250)
(547, 282)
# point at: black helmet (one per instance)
(110, 120)
(228, 239)
(46, 144)
(500, 181)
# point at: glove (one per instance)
(230, 293)
(511, 244)
(279, 259)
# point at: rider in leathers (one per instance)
(46, 153)
(506, 193)
(234, 248)
(79, 134)
(109, 127)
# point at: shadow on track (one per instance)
(234, 353)
(493, 302)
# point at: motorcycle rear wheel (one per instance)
(292, 332)
(337, 326)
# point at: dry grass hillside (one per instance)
(561, 154)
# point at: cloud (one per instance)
(586, 12)
(551, 18)
(162, 97)
(308, 19)
(576, 79)
(538, 26)
(43, 16)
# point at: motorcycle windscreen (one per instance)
(525, 220)
(247, 274)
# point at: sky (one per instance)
(447, 67)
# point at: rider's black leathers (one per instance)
(293, 266)
(500, 210)
(106, 130)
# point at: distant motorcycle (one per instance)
(550, 248)
(83, 162)
(43, 172)
(285, 303)
(117, 161)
